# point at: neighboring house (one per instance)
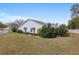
(4, 30)
(31, 26)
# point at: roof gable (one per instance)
(39, 22)
(35, 21)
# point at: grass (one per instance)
(21, 44)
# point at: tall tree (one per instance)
(19, 22)
(16, 23)
(75, 10)
(74, 22)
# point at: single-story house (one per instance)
(32, 26)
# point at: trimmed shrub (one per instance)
(14, 29)
(47, 31)
(63, 31)
(19, 31)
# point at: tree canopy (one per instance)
(74, 10)
(2, 25)
(73, 23)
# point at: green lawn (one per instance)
(14, 43)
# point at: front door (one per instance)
(32, 30)
(25, 29)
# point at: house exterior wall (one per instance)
(30, 24)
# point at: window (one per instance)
(32, 30)
(25, 29)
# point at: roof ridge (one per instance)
(33, 20)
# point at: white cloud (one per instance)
(10, 18)
(6, 18)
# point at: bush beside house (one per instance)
(15, 30)
(48, 31)
(19, 31)
(62, 30)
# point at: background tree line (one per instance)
(2, 25)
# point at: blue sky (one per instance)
(46, 12)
